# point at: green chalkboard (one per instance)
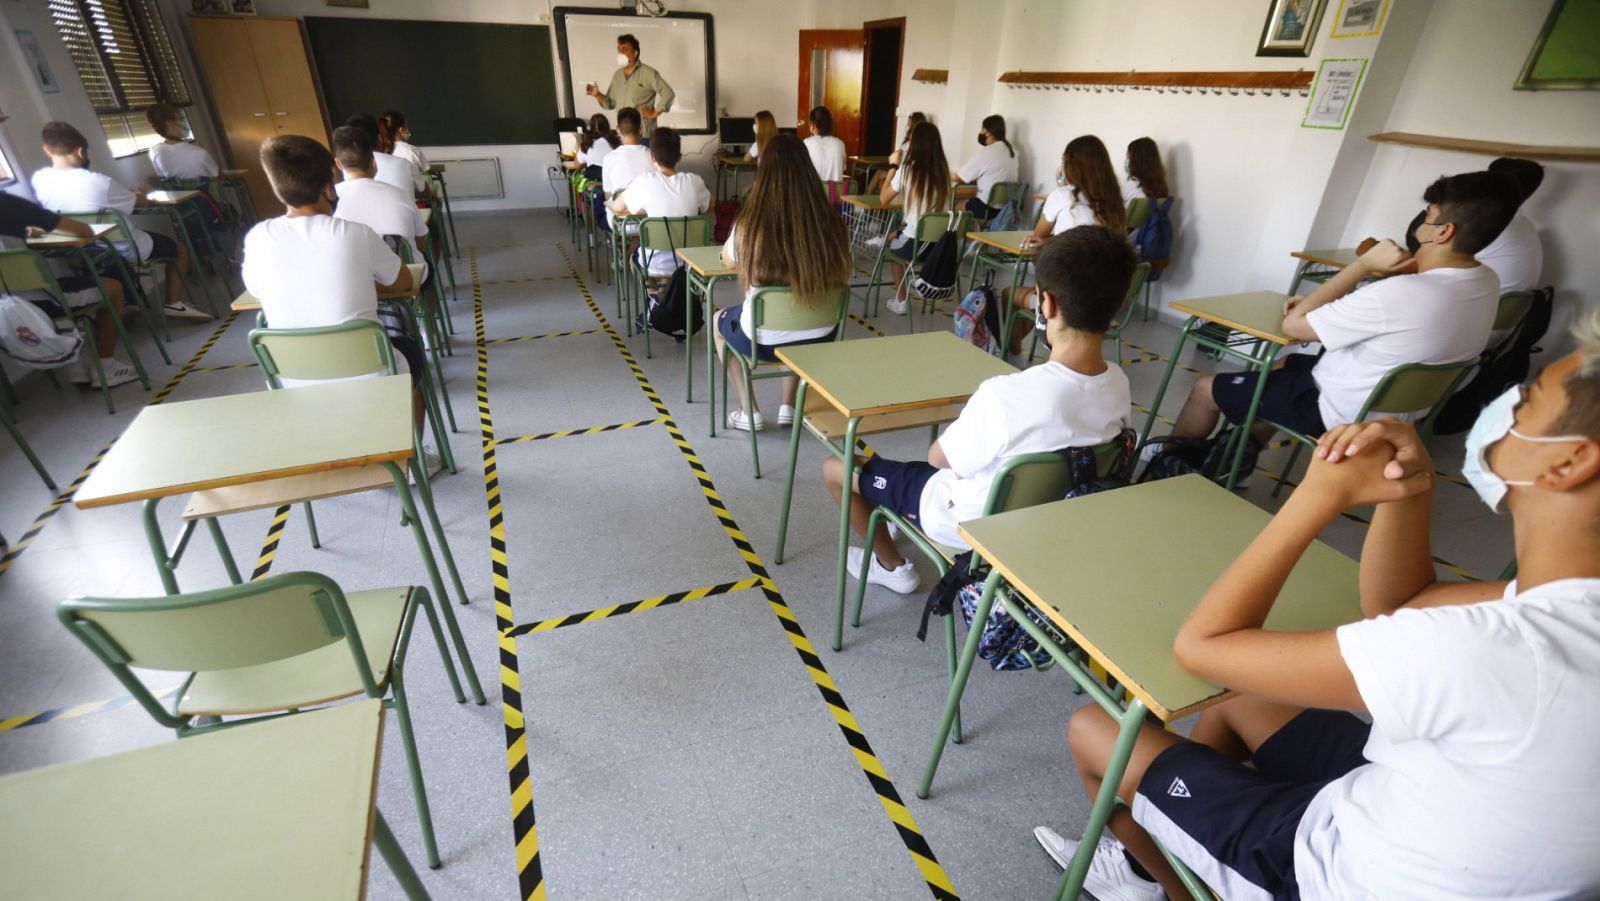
(457, 82)
(1567, 52)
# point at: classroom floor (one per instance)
(699, 741)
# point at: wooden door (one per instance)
(285, 67)
(830, 76)
(222, 47)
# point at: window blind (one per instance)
(122, 53)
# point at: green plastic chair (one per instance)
(262, 650)
(1025, 480)
(1508, 318)
(1141, 275)
(24, 270)
(1004, 192)
(452, 245)
(1138, 212)
(661, 234)
(122, 233)
(1403, 389)
(619, 244)
(777, 308)
(430, 326)
(930, 228)
(9, 422)
(341, 351)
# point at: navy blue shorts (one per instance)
(728, 325)
(1235, 826)
(981, 211)
(1289, 398)
(162, 247)
(896, 485)
(902, 250)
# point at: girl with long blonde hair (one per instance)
(923, 183)
(766, 130)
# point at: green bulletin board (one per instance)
(1567, 52)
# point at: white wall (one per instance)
(1459, 84)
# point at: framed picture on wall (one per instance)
(1291, 27)
(1359, 18)
(34, 54)
(1566, 55)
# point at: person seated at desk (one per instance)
(1147, 177)
(391, 170)
(176, 157)
(628, 161)
(595, 143)
(310, 269)
(895, 156)
(1477, 777)
(666, 192)
(994, 162)
(68, 184)
(1440, 314)
(786, 234)
(827, 152)
(922, 181)
(383, 208)
(394, 138)
(766, 128)
(22, 218)
(1086, 194)
(1075, 399)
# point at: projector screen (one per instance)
(678, 45)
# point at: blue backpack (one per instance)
(1154, 237)
(977, 319)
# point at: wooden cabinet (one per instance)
(258, 73)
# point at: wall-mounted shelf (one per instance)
(1491, 148)
(1216, 82)
(931, 76)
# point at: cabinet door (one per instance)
(222, 46)
(285, 68)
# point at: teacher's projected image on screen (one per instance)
(677, 45)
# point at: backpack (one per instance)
(29, 336)
(1172, 455)
(1154, 237)
(1500, 373)
(977, 319)
(1086, 477)
(665, 311)
(725, 211)
(936, 276)
(1006, 219)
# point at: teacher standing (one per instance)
(636, 85)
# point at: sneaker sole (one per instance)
(1062, 863)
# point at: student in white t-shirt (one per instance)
(1516, 255)
(922, 182)
(787, 234)
(1477, 776)
(629, 160)
(766, 128)
(665, 192)
(882, 175)
(68, 185)
(391, 170)
(175, 157)
(383, 208)
(1147, 177)
(394, 137)
(827, 151)
(595, 143)
(994, 162)
(1441, 314)
(310, 269)
(1086, 193)
(1075, 399)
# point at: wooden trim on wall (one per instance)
(931, 76)
(1297, 79)
(1491, 148)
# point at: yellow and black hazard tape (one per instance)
(269, 547)
(62, 499)
(1160, 356)
(73, 711)
(570, 433)
(524, 828)
(1141, 408)
(226, 366)
(662, 600)
(877, 776)
(866, 325)
(525, 279)
(587, 331)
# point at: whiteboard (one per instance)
(678, 45)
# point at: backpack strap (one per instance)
(943, 596)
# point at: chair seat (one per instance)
(829, 423)
(309, 679)
(314, 486)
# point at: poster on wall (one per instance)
(1334, 93)
(1291, 27)
(1360, 18)
(34, 54)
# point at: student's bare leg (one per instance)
(791, 387)
(1092, 735)
(105, 327)
(176, 268)
(1239, 725)
(898, 271)
(1200, 411)
(860, 511)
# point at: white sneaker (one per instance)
(786, 415)
(1109, 878)
(901, 580)
(896, 306)
(182, 310)
(875, 241)
(116, 372)
(745, 422)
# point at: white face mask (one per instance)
(1496, 422)
(1061, 177)
(622, 60)
(1125, 169)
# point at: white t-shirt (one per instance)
(182, 160)
(393, 170)
(911, 209)
(1065, 209)
(1483, 778)
(1131, 189)
(83, 191)
(1438, 316)
(827, 156)
(383, 208)
(990, 164)
(1046, 408)
(679, 194)
(411, 154)
(620, 168)
(1516, 256)
(596, 154)
(311, 271)
(770, 337)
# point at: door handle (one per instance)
(282, 114)
(258, 114)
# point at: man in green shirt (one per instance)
(636, 85)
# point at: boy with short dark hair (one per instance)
(1074, 399)
(67, 185)
(626, 162)
(664, 192)
(400, 174)
(362, 198)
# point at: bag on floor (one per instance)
(667, 307)
(28, 335)
(1172, 455)
(936, 276)
(977, 319)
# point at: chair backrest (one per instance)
(1138, 212)
(1514, 307)
(1415, 386)
(778, 308)
(122, 233)
(24, 270)
(932, 225)
(257, 622)
(326, 352)
(838, 189)
(1140, 274)
(1028, 480)
(662, 233)
(999, 194)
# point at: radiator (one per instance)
(472, 178)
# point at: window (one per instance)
(125, 60)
